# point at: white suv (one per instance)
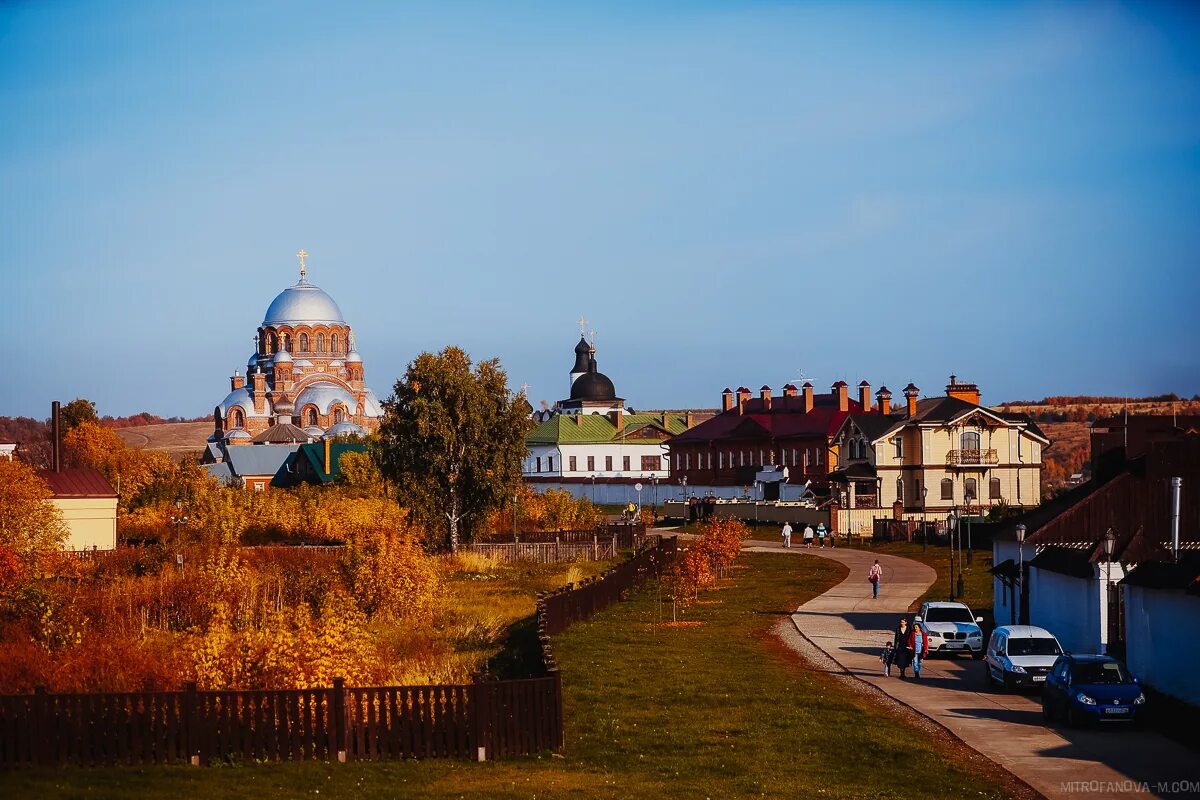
(952, 629)
(1020, 655)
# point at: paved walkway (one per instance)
(851, 627)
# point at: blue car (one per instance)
(1091, 689)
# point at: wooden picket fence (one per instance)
(481, 720)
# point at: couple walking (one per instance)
(909, 647)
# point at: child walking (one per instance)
(886, 657)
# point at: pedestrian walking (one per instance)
(787, 534)
(901, 644)
(821, 536)
(808, 535)
(875, 576)
(918, 639)
(889, 650)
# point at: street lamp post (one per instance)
(1109, 541)
(593, 488)
(970, 551)
(952, 525)
(515, 516)
(1020, 584)
(924, 519)
(654, 483)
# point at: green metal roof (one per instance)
(597, 429)
(315, 453)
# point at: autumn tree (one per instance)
(452, 440)
(77, 412)
(30, 525)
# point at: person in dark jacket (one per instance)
(902, 646)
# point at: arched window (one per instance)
(272, 343)
(312, 416)
(970, 490)
(900, 488)
(994, 489)
(236, 419)
(339, 415)
(304, 343)
(970, 440)
(333, 344)
(320, 343)
(947, 489)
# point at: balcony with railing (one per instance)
(971, 458)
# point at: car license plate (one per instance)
(955, 645)
(1116, 711)
(1041, 678)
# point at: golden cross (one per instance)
(524, 388)
(303, 268)
(582, 325)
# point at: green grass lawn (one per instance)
(717, 710)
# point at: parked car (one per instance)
(952, 629)
(1020, 655)
(1092, 688)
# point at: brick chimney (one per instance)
(743, 397)
(236, 382)
(727, 399)
(578, 419)
(56, 433)
(864, 396)
(666, 420)
(963, 391)
(789, 392)
(885, 400)
(911, 393)
(808, 396)
(841, 391)
(765, 395)
(617, 418)
(689, 420)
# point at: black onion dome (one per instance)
(582, 356)
(593, 386)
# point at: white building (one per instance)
(591, 446)
(1162, 625)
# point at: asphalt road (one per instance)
(1058, 761)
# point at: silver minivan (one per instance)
(1020, 655)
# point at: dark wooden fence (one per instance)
(485, 719)
(627, 536)
(558, 609)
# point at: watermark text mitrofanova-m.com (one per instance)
(1188, 787)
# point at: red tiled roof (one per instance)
(782, 421)
(79, 482)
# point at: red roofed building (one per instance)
(763, 434)
(88, 505)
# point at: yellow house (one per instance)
(88, 505)
(939, 454)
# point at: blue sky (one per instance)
(732, 193)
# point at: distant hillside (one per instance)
(1066, 420)
(177, 439)
(33, 435)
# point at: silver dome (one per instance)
(282, 357)
(353, 357)
(345, 429)
(323, 395)
(303, 303)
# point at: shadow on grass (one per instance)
(521, 654)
